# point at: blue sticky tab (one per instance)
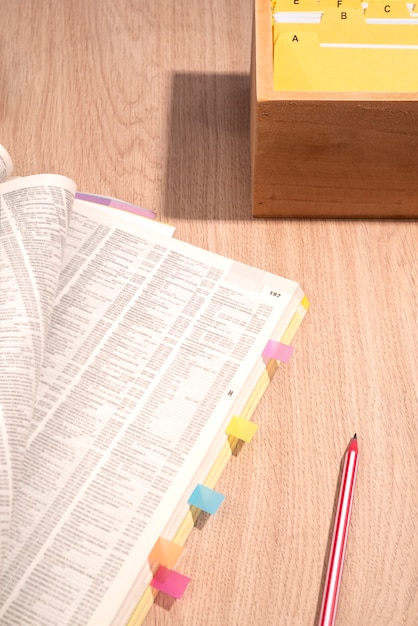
(206, 499)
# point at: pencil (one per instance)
(339, 537)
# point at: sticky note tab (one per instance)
(305, 303)
(279, 351)
(241, 428)
(165, 552)
(170, 582)
(206, 499)
(115, 203)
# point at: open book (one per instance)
(125, 355)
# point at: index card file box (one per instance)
(329, 154)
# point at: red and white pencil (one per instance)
(339, 538)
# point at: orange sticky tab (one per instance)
(165, 552)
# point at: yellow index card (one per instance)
(165, 552)
(343, 25)
(241, 428)
(387, 9)
(340, 4)
(302, 64)
(292, 52)
(351, 26)
(285, 6)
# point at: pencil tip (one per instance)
(355, 436)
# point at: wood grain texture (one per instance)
(149, 102)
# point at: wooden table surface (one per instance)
(148, 101)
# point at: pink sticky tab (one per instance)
(170, 582)
(278, 351)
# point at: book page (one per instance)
(6, 165)
(34, 221)
(134, 218)
(151, 341)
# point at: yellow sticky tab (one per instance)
(241, 429)
(305, 303)
(165, 553)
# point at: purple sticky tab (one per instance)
(170, 582)
(115, 203)
(278, 351)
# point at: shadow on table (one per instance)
(208, 166)
(164, 601)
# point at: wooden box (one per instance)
(328, 154)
